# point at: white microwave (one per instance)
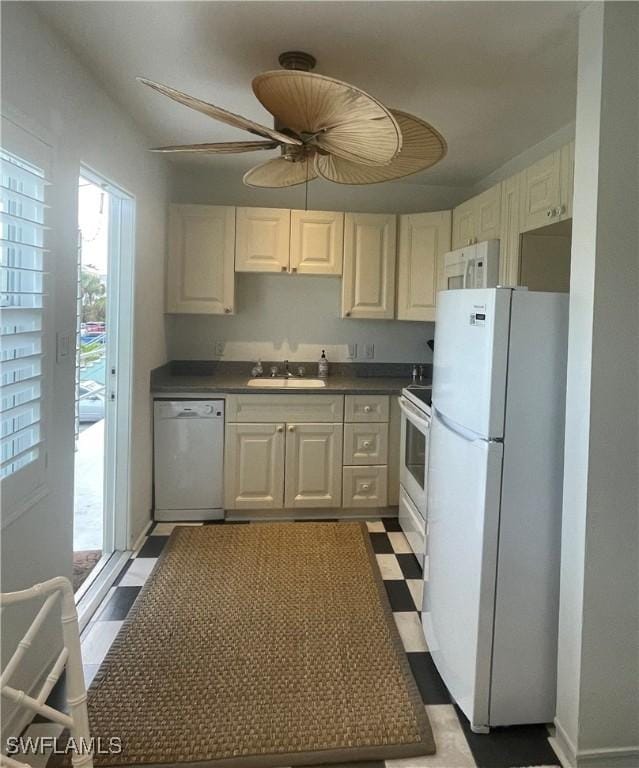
(474, 266)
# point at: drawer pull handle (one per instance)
(367, 409)
(366, 443)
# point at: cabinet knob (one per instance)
(367, 409)
(284, 269)
(291, 428)
(549, 212)
(365, 486)
(561, 210)
(227, 310)
(280, 429)
(366, 443)
(347, 314)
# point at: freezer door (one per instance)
(471, 355)
(461, 547)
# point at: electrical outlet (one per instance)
(352, 351)
(219, 348)
(369, 351)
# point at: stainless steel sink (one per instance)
(282, 383)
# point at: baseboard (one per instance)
(324, 513)
(612, 757)
(143, 534)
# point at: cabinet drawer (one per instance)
(365, 443)
(365, 487)
(366, 408)
(299, 408)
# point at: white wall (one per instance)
(45, 83)
(280, 317)
(598, 661)
(284, 317)
(526, 158)
(192, 183)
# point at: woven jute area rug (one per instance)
(260, 645)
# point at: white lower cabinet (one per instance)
(365, 486)
(313, 465)
(302, 461)
(365, 444)
(254, 466)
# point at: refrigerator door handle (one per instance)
(465, 434)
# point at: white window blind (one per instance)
(22, 297)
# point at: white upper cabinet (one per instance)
(567, 179)
(262, 239)
(200, 277)
(368, 281)
(488, 214)
(317, 242)
(477, 219)
(540, 196)
(510, 234)
(464, 226)
(424, 238)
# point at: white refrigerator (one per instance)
(494, 501)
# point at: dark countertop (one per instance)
(232, 379)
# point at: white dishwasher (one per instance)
(188, 459)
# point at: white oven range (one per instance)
(416, 414)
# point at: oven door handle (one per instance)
(413, 415)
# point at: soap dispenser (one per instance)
(322, 368)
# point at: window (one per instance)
(22, 296)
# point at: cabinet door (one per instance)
(368, 282)
(200, 277)
(313, 465)
(540, 193)
(262, 239)
(424, 238)
(510, 235)
(254, 466)
(464, 224)
(317, 242)
(567, 179)
(488, 214)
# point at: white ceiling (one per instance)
(493, 77)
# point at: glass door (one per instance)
(103, 366)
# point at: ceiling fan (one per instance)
(322, 127)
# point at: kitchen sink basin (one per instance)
(282, 383)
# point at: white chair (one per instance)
(77, 721)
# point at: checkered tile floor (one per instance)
(457, 746)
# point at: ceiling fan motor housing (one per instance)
(297, 60)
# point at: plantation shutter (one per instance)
(22, 303)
